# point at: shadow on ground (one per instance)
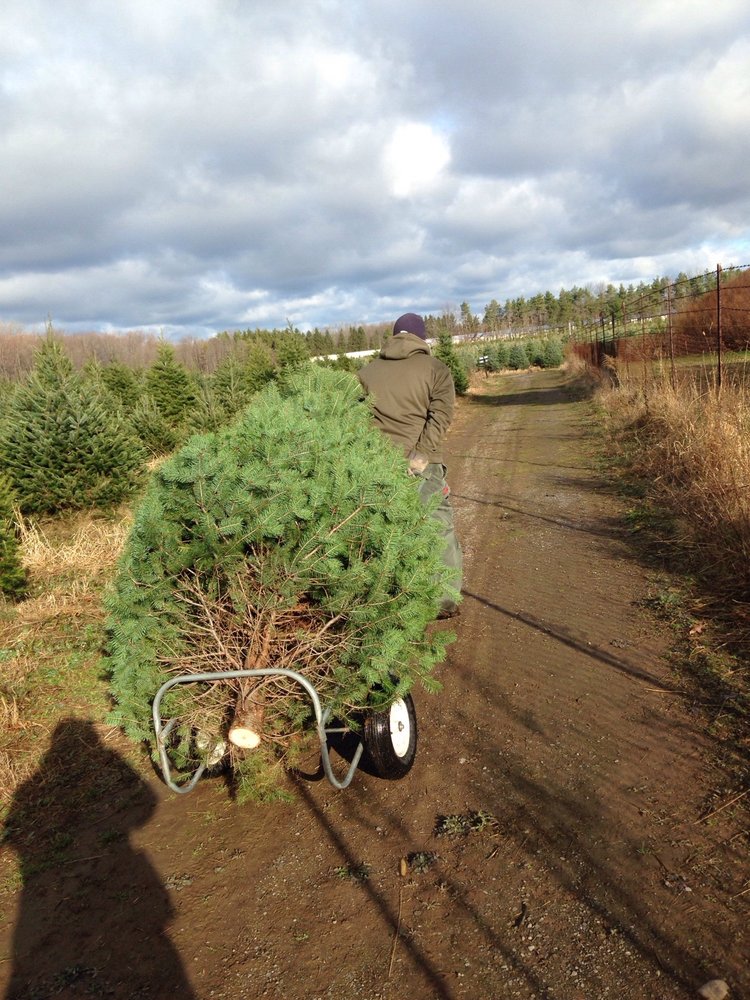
(93, 913)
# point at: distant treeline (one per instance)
(574, 308)
(139, 350)
(687, 316)
(564, 313)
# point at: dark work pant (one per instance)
(432, 483)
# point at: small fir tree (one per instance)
(154, 431)
(292, 351)
(293, 538)
(232, 386)
(517, 358)
(208, 414)
(553, 353)
(92, 375)
(499, 355)
(446, 353)
(535, 353)
(123, 384)
(259, 367)
(62, 444)
(170, 386)
(13, 582)
(92, 371)
(342, 364)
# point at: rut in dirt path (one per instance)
(579, 728)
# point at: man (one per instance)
(413, 397)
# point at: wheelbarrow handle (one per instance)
(162, 730)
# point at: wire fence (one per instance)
(706, 317)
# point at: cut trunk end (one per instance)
(246, 730)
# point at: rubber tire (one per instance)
(386, 759)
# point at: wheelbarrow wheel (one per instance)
(390, 738)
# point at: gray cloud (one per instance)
(196, 165)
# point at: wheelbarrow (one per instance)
(388, 738)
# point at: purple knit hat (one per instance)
(410, 323)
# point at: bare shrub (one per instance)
(696, 321)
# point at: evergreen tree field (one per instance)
(62, 445)
(513, 354)
(292, 538)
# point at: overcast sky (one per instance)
(189, 166)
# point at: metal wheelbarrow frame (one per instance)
(389, 737)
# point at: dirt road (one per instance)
(566, 776)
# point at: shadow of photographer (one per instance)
(93, 913)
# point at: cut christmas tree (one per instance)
(292, 539)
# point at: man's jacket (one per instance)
(412, 395)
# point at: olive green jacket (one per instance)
(412, 395)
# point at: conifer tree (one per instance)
(517, 358)
(447, 354)
(123, 383)
(535, 353)
(502, 352)
(92, 374)
(292, 351)
(170, 386)
(92, 371)
(156, 434)
(490, 363)
(342, 363)
(13, 582)
(62, 444)
(357, 339)
(553, 353)
(497, 356)
(319, 344)
(234, 384)
(259, 367)
(293, 538)
(208, 414)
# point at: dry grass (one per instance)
(87, 555)
(692, 446)
(689, 451)
(48, 643)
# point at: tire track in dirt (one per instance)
(588, 751)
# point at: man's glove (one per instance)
(417, 463)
